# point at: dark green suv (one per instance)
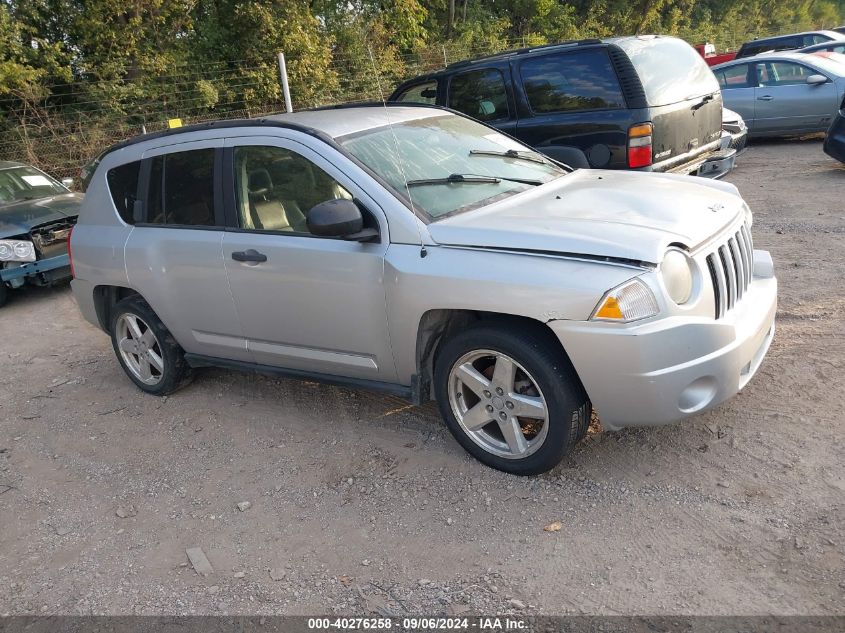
(642, 102)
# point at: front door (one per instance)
(305, 302)
(786, 103)
(174, 252)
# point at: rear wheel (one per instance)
(146, 350)
(511, 399)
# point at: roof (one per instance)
(832, 34)
(811, 59)
(332, 121)
(341, 121)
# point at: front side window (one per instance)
(733, 77)
(421, 93)
(26, 183)
(276, 187)
(448, 163)
(123, 185)
(783, 74)
(581, 81)
(182, 189)
(480, 94)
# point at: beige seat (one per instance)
(268, 211)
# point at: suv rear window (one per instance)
(670, 69)
(123, 185)
(420, 93)
(576, 81)
(480, 94)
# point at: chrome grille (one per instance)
(731, 268)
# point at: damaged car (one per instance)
(37, 214)
(416, 251)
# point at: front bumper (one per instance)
(664, 370)
(51, 270)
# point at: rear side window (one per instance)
(480, 94)
(582, 81)
(182, 189)
(733, 77)
(421, 93)
(123, 185)
(670, 69)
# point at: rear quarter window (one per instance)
(670, 69)
(575, 81)
(419, 93)
(123, 186)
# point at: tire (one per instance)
(539, 374)
(4, 293)
(148, 345)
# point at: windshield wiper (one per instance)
(511, 153)
(470, 179)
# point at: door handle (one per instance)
(765, 98)
(250, 255)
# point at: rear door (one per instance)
(174, 252)
(738, 91)
(574, 99)
(786, 103)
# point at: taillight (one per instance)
(69, 253)
(639, 145)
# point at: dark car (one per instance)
(833, 46)
(788, 42)
(37, 214)
(645, 102)
(834, 141)
(840, 29)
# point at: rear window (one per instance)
(576, 81)
(670, 69)
(123, 185)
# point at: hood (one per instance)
(608, 214)
(19, 218)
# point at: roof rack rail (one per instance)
(523, 51)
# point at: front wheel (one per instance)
(147, 351)
(511, 399)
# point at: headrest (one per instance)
(260, 182)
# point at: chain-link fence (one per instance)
(62, 129)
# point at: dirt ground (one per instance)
(361, 503)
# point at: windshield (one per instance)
(26, 183)
(434, 151)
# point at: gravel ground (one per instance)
(359, 503)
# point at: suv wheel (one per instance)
(511, 399)
(147, 352)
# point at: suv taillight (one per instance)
(69, 254)
(639, 145)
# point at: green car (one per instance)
(37, 214)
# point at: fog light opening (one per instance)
(698, 394)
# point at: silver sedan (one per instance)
(782, 94)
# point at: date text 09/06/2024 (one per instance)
(417, 624)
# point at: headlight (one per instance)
(676, 270)
(17, 251)
(631, 301)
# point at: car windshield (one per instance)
(440, 155)
(26, 183)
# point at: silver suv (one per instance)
(416, 251)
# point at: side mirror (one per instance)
(339, 218)
(67, 182)
(816, 80)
